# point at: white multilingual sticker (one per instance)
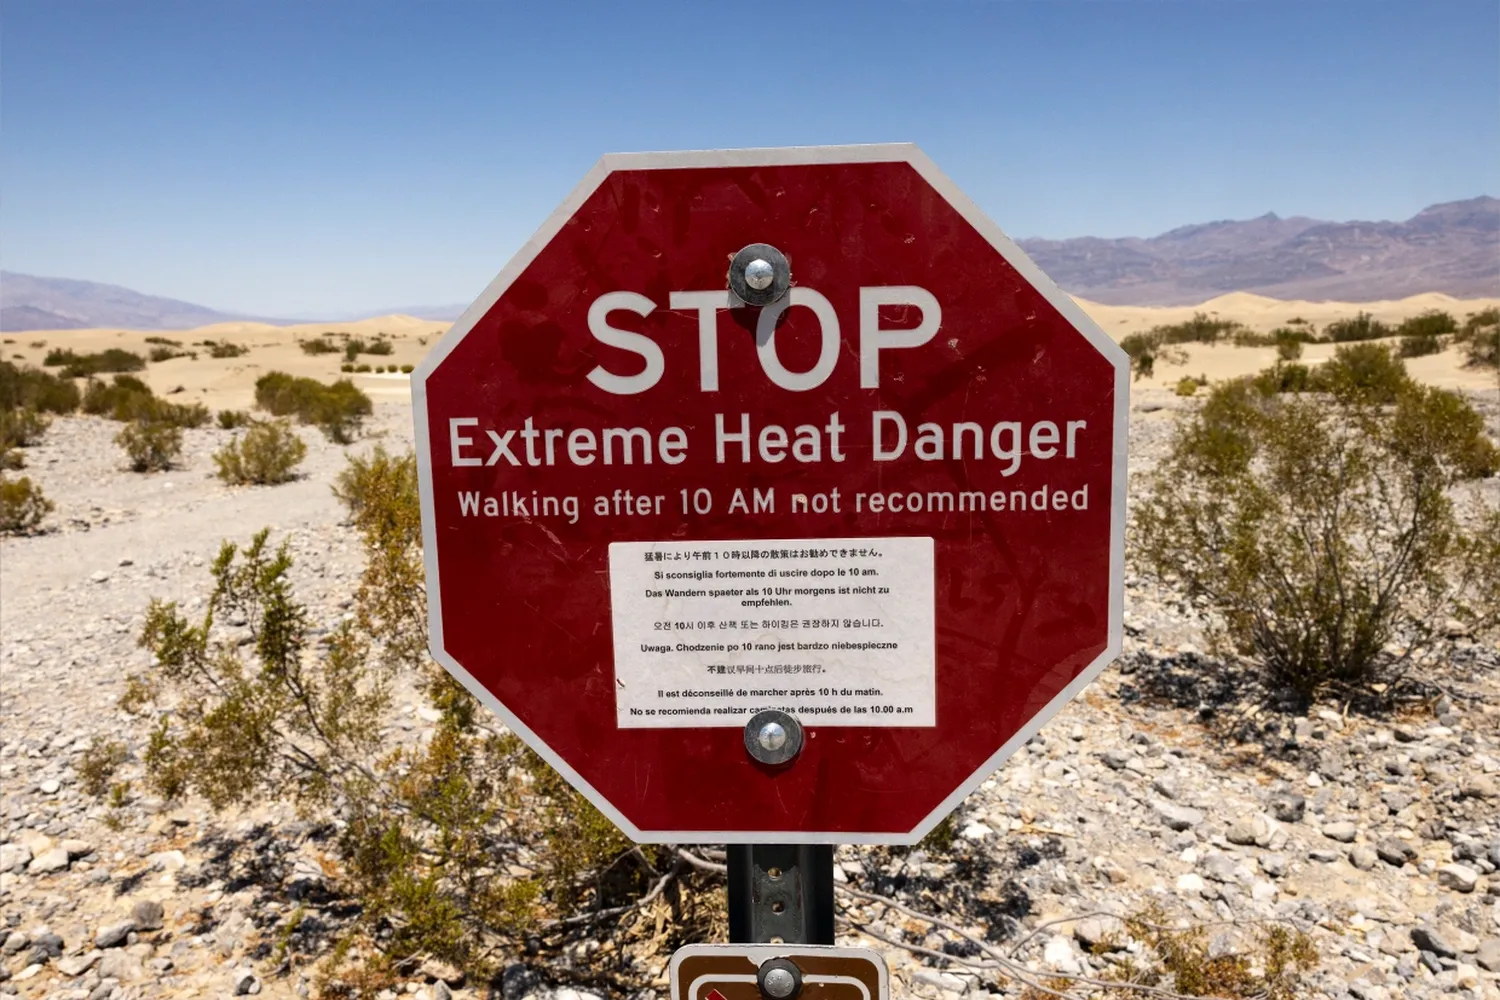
(834, 631)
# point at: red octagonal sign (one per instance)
(889, 503)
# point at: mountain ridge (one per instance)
(1450, 247)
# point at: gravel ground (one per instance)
(1379, 834)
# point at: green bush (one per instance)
(231, 419)
(1480, 337)
(362, 369)
(22, 505)
(338, 409)
(151, 445)
(158, 354)
(36, 389)
(1362, 327)
(318, 345)
(128, 398)
(1369, 371)
(407, 369)
(346, 367)
(164, 341)
(224, 349)
(22, 427)
(379, 347)
(1320, 530)
(1285, 376)
(266, 455)
(1188, 386)
(1201, 329)
(115, 359)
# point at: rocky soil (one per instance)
(1380, 834)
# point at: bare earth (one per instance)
(1131, 794)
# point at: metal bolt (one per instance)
(772, 736)
(778, 983)
(759, 274)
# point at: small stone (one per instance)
(1249, 831)
(77, 965)
(1093, 932)
(77, 848)
(1342, 831)
(1466, 977)
(1059, 954)
(48, 944)
(147, 915)
(1394, 851)
(1116, 759)
(440, 991)
(442, 972)
(99, 576)
(1429, 939)
(54, 860)
(975, 831)
(944, 981)
(1481, 786)
(1263, 891)
(1166, 786)
(1273, 865)
(1191, 882)
(113, 935)
(1177, 817)
(1219, 867)
(1489, 955)
(14, 941)
(14, 857)
(1459, 878)
(29, 972)
(1363, 857)
(244, 983)
(50, 787)
(1289, 808)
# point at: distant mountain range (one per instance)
(1453, 247)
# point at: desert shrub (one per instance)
(338, 410)
(379, 347)
(22, 505)
(232, 419)
(464, 847)
(151, 445)
(36, 389)
(318, 345)
(265, 455)
(225, 349)
(353, 348)
(1320, 530)
(1362, 327)
(114, 359)
(1284, 376)
(346, 367)
(1370, 371)
(1188, 385)
(158, 354)
(1201, 329)
(98, 764)
(1480, 337)
(407, 369)
(22, 427)
(127, 398)
(1423, 335)
(164, 341)
(362, 369)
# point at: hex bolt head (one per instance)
(759, 274)
(779, 979)
(773, 737)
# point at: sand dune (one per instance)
(229, 382)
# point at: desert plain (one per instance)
(1379, 834)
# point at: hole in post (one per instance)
(773, 873)
(778, 906)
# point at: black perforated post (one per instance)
(781, 893)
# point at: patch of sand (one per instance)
(229, 383)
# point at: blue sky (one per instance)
(318, 158)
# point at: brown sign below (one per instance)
(728, 971)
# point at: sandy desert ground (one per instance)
(1379, 834)
(230, 384)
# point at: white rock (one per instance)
(976, 831)
(54, 860)
(1059, 955)
(1190, 882)
(13, 856)
(1459, 878)
(50, 787)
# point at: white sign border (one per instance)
(777, 156)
